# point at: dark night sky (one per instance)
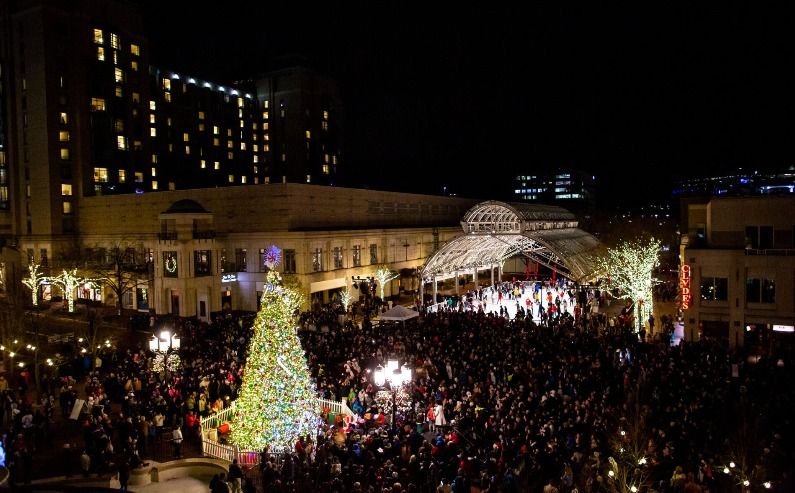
(470, 97)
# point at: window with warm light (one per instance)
(135, 50)
(324, 125)
(97, 104)
(101, 175)
(119, 91)
(265, 104)
(187, 150)
(65, 154)
(201, 115)
(284, 157)
(186, 137)
(152, 105)
(167, 97)
(63, 136)
(154, 159)
(114, 41)
(152, 132)
(99, 38)
(101, 53)
(229, 144)
(64, 118)
(139, 177)
(309, 178)
(216, 141)
(202, 164)
(134, 66)
(152, 118)
(201, 127)
(136, 97)
(243, 180)
(325, 114)
(265, 115)
(167, 84)
(118, 75)
(67, 207)
(154, 172)
(325, 169)
(230, 155)
(308, 134)
(172, 185)
(154, 184)
(228, 132)
(231, 178)
(215, 129)
(121, 142)
(66, 189)
(122, 176)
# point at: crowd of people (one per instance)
(500, 403)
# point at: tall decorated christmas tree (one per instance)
(278, 400)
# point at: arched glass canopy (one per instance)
(495, 231)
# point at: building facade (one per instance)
(572, 188)
(737, 271)
(84, 113)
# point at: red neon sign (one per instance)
(684, 286)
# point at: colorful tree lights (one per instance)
(278, 401)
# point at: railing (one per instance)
(219, 450)
(783, 252)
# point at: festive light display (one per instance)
(630, 267)
(383, 398)
(278, 401)
(273, 255)
(33, 281)
(345, 299)
(384, 275)
(69, 282)
(163, 361)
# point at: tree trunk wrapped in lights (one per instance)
(69, 282)
(278, 401)
(33, 281)
(384, 275)
(345, 299)
(630, 266)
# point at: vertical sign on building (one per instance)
(684, 286)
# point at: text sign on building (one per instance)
(228, 277)
(684, 286)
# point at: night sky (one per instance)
(468, 98)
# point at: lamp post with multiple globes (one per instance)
(395, 378)
(165, 344)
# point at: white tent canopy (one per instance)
(398, 313)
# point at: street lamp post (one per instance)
(164, 345)
(395, 378)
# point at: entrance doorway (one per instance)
(226, 300)
(175, 303)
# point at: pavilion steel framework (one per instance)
(495, 231)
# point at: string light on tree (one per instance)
(630, 267)
(69, 282)
(33, 281)
(278, 401)
(384, 275)
(345, 299)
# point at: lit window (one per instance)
(265, 115)
(239, 102)
(266, 147)
(254, 126)
(256, 170)
(241, 123)
(98, 37)
(100, 175)
(154, 158)
(167, 84)
(152, 118)
(325, 158)
(134, 66)
(101, 53)
(66, 189)
(266, 180)
(201, 115)
(265, 126)
(325, 115)
(215, 129)
(265, 104)
(201, 127)
(63, 136)
(228, 132)
(187, 150)
(152, 132)
(119, 91)
(115, 57)
(139, 177)
(284, 157)
(242, 146)
(64, 118)
(308, 178)
(230, 144)
(154, 172)
(231, 178)
(185, 137)
(118, 74)
(324, 125)
(122, 176)
(152, 105)
(202, 164)
(154, 184)
(114, 41)
(216, 165)
(118, 125)
(135, 50)
(67, 207)
(97, 104)
(65, 154)
(308, 134)
(136, 97)
(121, 142)
(167, 97)
(334, 159)
(325, 169)
(168, 121)
(243, 180)
(172, 185)
(216, 141)
(255, 148)
(230, 155)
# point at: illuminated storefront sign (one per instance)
(228, 277)
(784, 328)
(684, 286)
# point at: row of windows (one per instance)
(99, 38)
(757, 290)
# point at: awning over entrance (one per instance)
(495, 231)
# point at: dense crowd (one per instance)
(501, 404)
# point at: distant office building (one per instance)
(83, 113)
(555, 186)
(737, 272)
(738, 183)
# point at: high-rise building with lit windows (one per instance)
(84, 113)
(555, 186)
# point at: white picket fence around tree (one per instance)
(213, 448)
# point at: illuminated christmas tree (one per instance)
(278, 401)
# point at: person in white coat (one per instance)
(438, 413)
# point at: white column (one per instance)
(475, 277)
(491, 271)
(456, 282)
(434, 289)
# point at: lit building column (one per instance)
(434, 289)
(475, 277)
(491, 271)
(456, 282)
